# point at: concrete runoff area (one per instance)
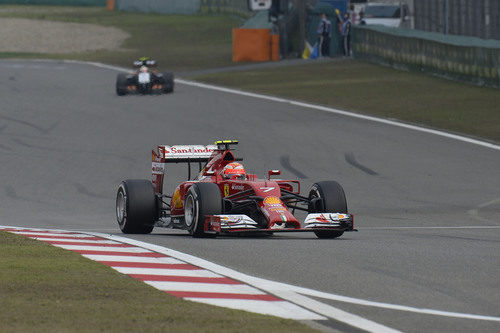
(68, 140)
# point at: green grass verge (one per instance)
(177, 42)
(48, 289)
(379, 91)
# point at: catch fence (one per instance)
(458, 57)
(188, 7)
(479, 18)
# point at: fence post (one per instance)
(446, 16)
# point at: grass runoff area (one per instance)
(177, 42)
(48, 289)
(187, 43)
(379, 91)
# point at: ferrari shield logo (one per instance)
(226, 190)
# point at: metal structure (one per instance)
(478, 18)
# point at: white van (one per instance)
(385, 14)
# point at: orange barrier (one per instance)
(255, 45)
(275, 47)
(110, 4)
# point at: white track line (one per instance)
(81, 241)
(287, 292)
(280, 308)
(167, 271)
(52, 234)
(341, 112)
(280, 288)
(358, 301)
(332, 312)
(152, 260)
(103, 248)
(457, 227)
(310, 106)
(205, 287)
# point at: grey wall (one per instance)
(160, 6)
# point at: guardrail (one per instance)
(462, 58)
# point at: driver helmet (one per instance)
(234, 170)
(143, 69)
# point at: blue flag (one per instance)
(315, 52)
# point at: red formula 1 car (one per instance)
(223, 199)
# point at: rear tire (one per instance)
(334, 201)
(201, 199)
(136, 210)
(168, 85)
(121, 84)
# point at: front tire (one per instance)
(202, 199)
(121, 84)
(168, 85)
(332, 200)
(136, 206)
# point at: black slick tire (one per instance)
(201, 199)
(136, 210)
(333, 200)
(121, 84)
(168, 84)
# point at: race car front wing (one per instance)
(313, 222)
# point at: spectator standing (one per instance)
(352, 14)
(346, 35)
(362, 18)
(324, 35)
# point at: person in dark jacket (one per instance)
(324, 32)
(346, 35)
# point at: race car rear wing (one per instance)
(190, 153)
(183, 154)
(178, 154)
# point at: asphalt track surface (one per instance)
(427, 207)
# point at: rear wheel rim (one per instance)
(189, 211)
(121, 207)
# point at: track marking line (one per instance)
(280, 308)
(457, 227)
(173, 276)
(357, 301)
(68, 238)
(240, 289)
(341, 112)
(101, 258)
(56, 235)
(77, 241)
(279, 288)
(302, 104)
(177, 278)
(165, 272)
(136, 264)
(124, 254)
(128, 249)
(332, 312)
(244, 288)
